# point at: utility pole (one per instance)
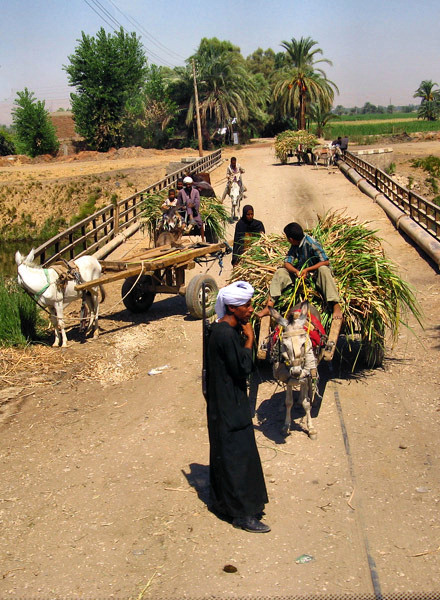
(199, 125)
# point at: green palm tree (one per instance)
(429, 108)
(226, 88)
(321, 117)
(301, 83)
(426, 92)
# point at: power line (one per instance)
(103, 13)
(134, 22)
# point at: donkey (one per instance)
(296, 364)
(43, 285)
(236, 195)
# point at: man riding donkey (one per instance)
(233, 173)
(306, 257)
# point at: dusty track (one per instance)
(104, 472)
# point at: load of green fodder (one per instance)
(19, 315)
(374, 298)
(287, 142)
(212, 211)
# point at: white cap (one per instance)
(188, 180)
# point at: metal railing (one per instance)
(86, 236)
(424, 212)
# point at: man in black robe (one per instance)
(236, 476)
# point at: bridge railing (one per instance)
(86, 236)
(424, 212)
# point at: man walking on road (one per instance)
(237, 483)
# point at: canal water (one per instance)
(8, 267)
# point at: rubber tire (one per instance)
(193, 296)
(138, 300)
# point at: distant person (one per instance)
(189, 199)
(344, 145)
(337, 142)
(233, 173)
(246, 229)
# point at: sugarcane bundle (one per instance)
(213, 213)
(288, 141)
(374, 298)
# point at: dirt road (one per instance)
(104, 478)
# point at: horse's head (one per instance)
(294, 340)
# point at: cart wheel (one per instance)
(139, 299)
(193, 296)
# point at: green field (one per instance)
(359, 130)
(378, 116)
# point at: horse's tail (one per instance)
(101, 287)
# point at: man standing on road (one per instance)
(237, 485)
(344, 145)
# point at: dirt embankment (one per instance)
(33, 191)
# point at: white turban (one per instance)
(188, 180)
(235, 294)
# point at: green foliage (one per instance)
(7, 145)
(86, 209)
(107, 71)
(288, 141)
(429, 108)
(35, 133)
(301, 82)
(397, 116)
(151, 116)
(391, 169)
(430, 164)
(19, 315)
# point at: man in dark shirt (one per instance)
(236, 477)
(305, 256)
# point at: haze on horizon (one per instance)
(381, 51)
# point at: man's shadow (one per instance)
(198, 478)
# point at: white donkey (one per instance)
(296, 365)
(41, 283)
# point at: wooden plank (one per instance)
(126, 273)
(330, 347)
(109, 278)
(264, 334)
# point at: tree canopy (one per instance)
(429, 108)
(107, 70)
(34, 131)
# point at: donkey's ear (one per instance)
(305, 308)
(277, 317)
(30, 257)
(18, 258)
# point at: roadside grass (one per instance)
(21, 321)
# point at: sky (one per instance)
(381, 49)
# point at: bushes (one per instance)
(18, 325)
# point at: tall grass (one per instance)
(20, 320)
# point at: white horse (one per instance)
(296, 364)
(41, 283)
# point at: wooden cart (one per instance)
(162, 270)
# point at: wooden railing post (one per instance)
(116, 219)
